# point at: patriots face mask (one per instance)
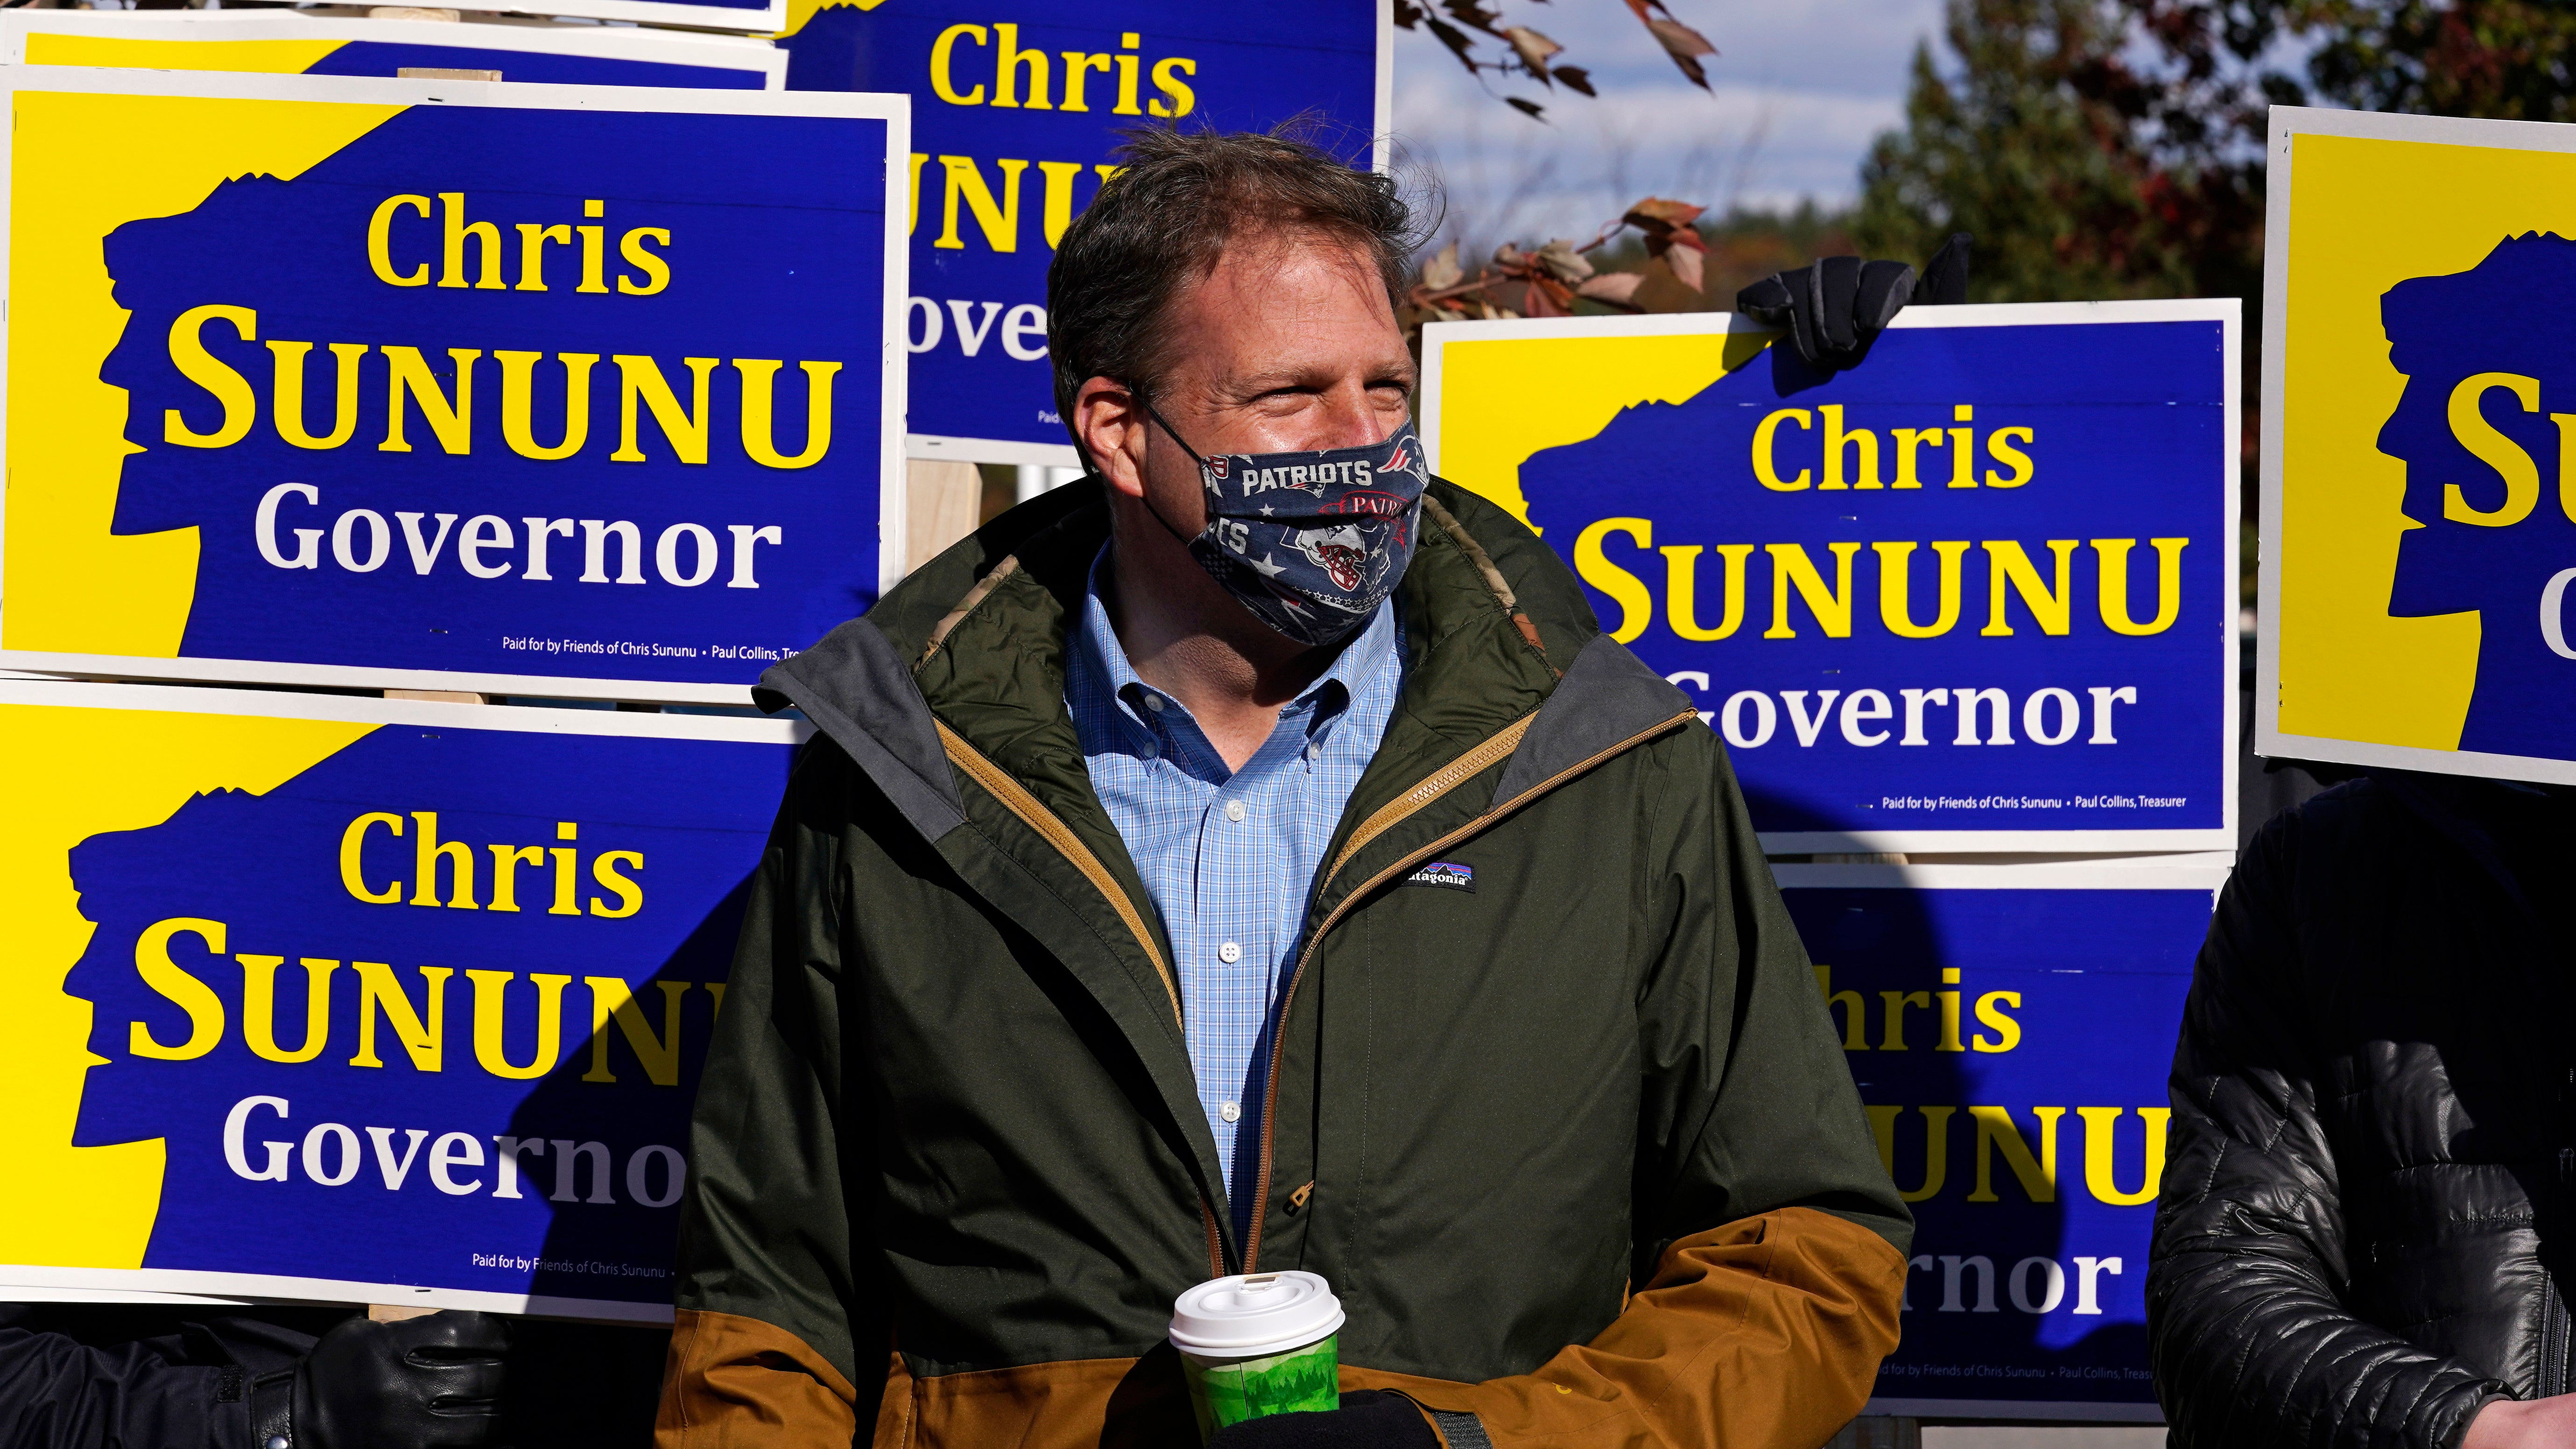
(1311, 543)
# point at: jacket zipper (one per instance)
(1016, 798)
(1378, 824)
(1216, 1243)
(1434, 785)
(2551, 1375)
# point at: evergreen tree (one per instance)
(2510, 59)
(2064, 161)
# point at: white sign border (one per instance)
(30, 1283)
(41, 1282)
(2226, 311)
(2195, 872)
(602, 42)
(427, 713)
(2270, 741)
(895, 111)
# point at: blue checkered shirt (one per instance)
(1229, 857)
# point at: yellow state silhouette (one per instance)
(80, 772)
(73, 586)
(1505, 398)
(2366, 214)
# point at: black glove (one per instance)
(432, 1382)
(1369, 1419)
(1835, 308)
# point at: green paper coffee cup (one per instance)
(1256, 1345)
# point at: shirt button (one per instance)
(1314, 752)
(1234, 811)
(1229, 953)
(1230, 1111)
(1154, 702)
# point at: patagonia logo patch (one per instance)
(1447, 875)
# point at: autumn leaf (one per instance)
(1614, 288)
(1547, 297)
(1685, 258)
(1664, 292)
(1465, 28)
(1468, 12)
(1550, 280)
(1655, 210)
(1443, 272)
(1563, 262)
(1683, 44)
(1534, 50)
(1454, 38)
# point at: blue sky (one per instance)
(1801, 88)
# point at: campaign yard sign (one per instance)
(2011, 1029)
(362, 1000)
(292, 42)
(1017, 109)
(2419, 398)
(564, 390)
(1977, 593)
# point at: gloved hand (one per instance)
(1835, 308)
(1369, 1419)
(432, 1382)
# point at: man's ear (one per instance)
(1110, 420)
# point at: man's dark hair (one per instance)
(1166, 218)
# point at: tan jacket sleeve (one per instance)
(738, 1383)
(1764, 1332)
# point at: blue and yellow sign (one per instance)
(1975, 594)
(2419, 405)
(362, 999)
(292, 42)
(535, 389)
(2011, 1029)
(1017, 107)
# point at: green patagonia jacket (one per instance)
(1577, 1148)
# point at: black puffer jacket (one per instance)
(2370, 1206)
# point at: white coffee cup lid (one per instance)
(1249, 1317)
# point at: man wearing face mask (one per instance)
(1256, 857)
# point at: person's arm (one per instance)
(432, 1382)
(59, 1393)
(2515, 1424)
(2251, 1342)
(765, 1350)
(1770, 1243)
